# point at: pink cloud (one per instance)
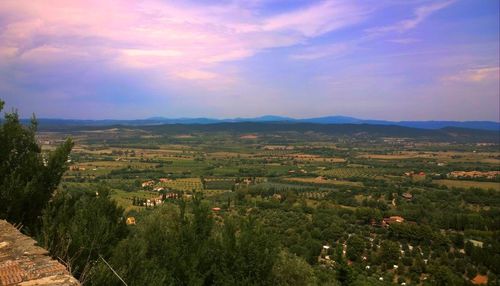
(420, 14)
(159, 36)
(475, 75)
(313, 53)
(404, 41)
(195, 74)
(318, 19)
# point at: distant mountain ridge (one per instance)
(483, 125)
(360, 131)
(430, 124)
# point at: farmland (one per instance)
(316, 197)
(469, 184)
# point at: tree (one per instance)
(355, 248)
(293, 270)
(169, 247)
(245, 254)
(184, 246)
(345, 274)
(442, 275)
(80, 226)
(389, 252)
(28, 178)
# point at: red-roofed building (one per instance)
(392, 219)
(480, 280)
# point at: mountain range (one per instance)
(484, 125)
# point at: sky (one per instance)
(372, 59)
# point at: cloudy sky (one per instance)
(379, 59)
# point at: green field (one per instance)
(345, 173)
(468, 184)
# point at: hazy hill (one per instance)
(485, 125)
(353, 130)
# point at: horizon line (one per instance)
(283, 118)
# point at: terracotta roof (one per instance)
(407, 196)
(480, 279)
(393, 219)
(23, 263)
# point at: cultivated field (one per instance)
(469, 184)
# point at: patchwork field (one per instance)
(346, 173)
(321, 180)
(469, 184)
(187, 184)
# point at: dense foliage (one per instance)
(78, 227)
(27, 177)
(174, 246)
